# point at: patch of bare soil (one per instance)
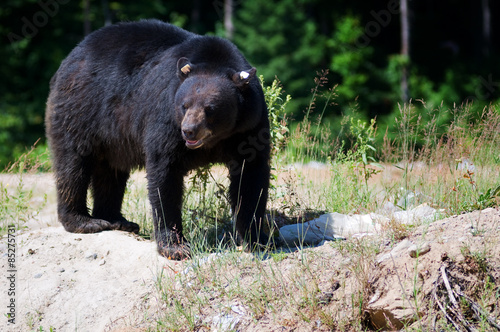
(463, 263)
(108, 281)
(85, 282)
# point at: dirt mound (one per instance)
(464, 249)
(86, 282)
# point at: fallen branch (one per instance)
(478, 311)
(448, 287)
(456, 308)
(448, 317)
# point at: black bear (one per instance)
(151, 95)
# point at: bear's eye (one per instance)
(209, 110)
(185, 107)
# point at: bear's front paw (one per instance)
(127, 226)
(175, 252)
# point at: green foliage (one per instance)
(363, 148)
(16, 206)
(207, 209)
(279, 39)
(353, 167)
(351, 65)
(292, 39)
(489, 198)
(276, 105)
(312, 139)
(468, 196)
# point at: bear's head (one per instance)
(207, 102)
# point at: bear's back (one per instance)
(130, 44)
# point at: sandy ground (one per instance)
(83, 282)
(76, 282)
(107, 281)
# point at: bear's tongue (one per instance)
(192, 142)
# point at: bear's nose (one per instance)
(190, 131)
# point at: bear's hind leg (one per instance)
(72, 174)
(108, 188)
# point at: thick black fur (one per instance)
(151, 95)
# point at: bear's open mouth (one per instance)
(194, 144)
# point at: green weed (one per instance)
(16, 198)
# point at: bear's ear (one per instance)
(183, 68)
(242, 78)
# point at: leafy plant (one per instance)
(364, 138)
(489, 198)
(276, 105)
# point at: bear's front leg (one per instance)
(165, 195)
(248, 192)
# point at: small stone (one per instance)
(396, 251)
(38, 275)
(91, 256)
(224, 323)
(375, 296)
(419, 250)
(102, 262)
(62, 270)
(240, 310)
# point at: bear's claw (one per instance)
(175, 252)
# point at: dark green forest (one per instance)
(380, 53)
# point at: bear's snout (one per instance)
(193, 129)
(190, 131)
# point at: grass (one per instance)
(18, 203)
(454, 168)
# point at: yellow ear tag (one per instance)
(186, 69)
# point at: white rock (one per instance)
(466, 165)
(328, 227)
(401, 246)
(240, 310)
(420, 213)
(202, 261)
(223, 323)
(389, 208)
(334, 226)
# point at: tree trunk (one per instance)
(405, 49)
(106, 12)
(195, 16)
(228, 18)
(86, 17)
(485, 6)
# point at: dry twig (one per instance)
(453, 312)
(478, 311)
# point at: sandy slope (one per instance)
(84, 282)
